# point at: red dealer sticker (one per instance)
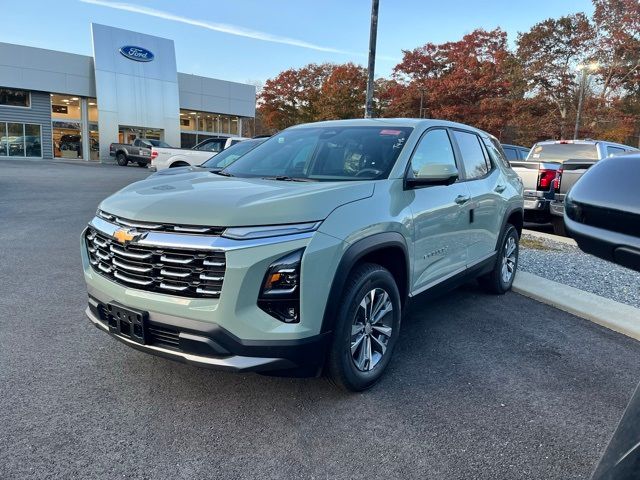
(390, 132)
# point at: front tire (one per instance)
(366, 329)
(121, 159)
(500, 279)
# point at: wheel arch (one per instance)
(514, 216)
(387, 249)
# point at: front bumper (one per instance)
(613, 246)
(203, 345)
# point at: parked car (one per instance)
(163, 157)
(216, 162)
(515, 152)
(577, 159)
(218, 144)
(304, 252)
(602, 210)
(139, 151)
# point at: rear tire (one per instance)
(558, 226)
(178, 164)
(500, 279)
(121, 159)
(366, 330)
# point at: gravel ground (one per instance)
(480, 387)
(567, 264)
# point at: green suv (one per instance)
(301, 256)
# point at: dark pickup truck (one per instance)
(576, 157)
(139, 151)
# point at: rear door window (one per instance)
(476, 165)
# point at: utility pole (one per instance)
(373, 34)
(584, 80)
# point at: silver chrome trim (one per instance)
(124, 278)
(196, 242)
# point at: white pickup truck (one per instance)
(162, 158)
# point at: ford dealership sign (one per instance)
(138, 54)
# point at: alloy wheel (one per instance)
(509, 259)
(371, 329)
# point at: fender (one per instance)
(508, 213)
(351, 256)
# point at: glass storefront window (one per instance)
(207, 123)
(92, 109)
(188, 140)
(10, 97)
(65, 107)
(67, 140)
(32, 140)
(94, 141)
(20, 140)
(4, 151)
(15, 138)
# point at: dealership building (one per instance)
(61, 105)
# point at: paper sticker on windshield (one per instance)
(280, 139)
(390, 132)
(536, 155)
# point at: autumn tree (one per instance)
(550, 53)
(467, 80)
(343, 93)
(292, 97)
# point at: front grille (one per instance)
(186, 273)
(160, 227)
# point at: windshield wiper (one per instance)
(223, 173)
(284, 178)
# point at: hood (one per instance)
(203, 198)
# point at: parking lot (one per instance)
(480, 386)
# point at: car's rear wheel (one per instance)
(366, 329)
(178, 164)
(500, 279)
(121, 159)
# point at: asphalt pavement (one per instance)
(481, 387)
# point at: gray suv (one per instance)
(301, 256)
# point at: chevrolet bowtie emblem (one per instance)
(127, 235)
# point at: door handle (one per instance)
(500, 188)
(462, 199)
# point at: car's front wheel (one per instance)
(366, 329)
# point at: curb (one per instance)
(549, 236)
(613, 315)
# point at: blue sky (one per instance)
(252, 40)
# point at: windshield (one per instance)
(324, 154)
(563, 151)
(158, 143)
(231, 154)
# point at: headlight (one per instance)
(280, 293)
(248, 233)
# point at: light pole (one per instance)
(584, 80)
(368, 111)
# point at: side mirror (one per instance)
(434, 174)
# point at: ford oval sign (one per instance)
(138, 54)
